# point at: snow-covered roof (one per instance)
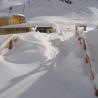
(29, 25)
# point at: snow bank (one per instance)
(92, 37)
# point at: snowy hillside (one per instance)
(85, 10)
(7, 3)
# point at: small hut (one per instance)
(11, 19)
(11, 24)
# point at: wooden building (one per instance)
(12, 24)
(7, 42)
(11, 19)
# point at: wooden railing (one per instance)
(8, 44)
(87, 58)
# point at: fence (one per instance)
(8, 44)
(87, 57)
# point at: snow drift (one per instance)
(39, 66)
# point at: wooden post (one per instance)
(10, 9)
(10, 44)
(82, 43)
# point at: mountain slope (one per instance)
(79, 9)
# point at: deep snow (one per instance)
(48, 65)
(91, 38)
(84, 10)
(43, 66)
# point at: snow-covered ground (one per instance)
(49, 65)
(45, 66)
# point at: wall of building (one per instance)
(12, 20)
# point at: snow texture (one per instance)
(49, 65)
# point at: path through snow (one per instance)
(45, 66)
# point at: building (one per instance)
(9, 24)
(11, 19)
